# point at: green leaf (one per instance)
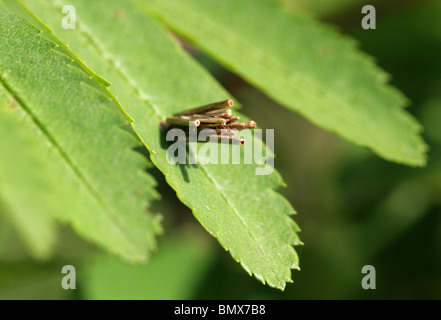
(304, 66)
(153, 78)
(92, 178)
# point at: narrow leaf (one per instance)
(96, 181)
(304, 66)
(153, 79)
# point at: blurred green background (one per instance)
(355, 209)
